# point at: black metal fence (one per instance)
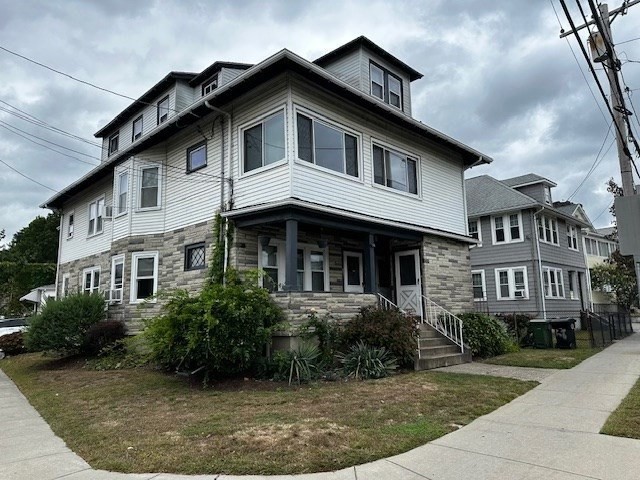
(606, 323)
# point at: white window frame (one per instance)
(553, 223)
(135, 136)
(210, 85)
(260, 121)
(478, 223)
(574, 285)
(572, 237)
(161, 118)
(64, 289)
(118, 207)
(113, 137)
(547, 195)
(71, 224)
(401, 152)
(118, 259)
(511, 282)
(506, 225)
(98, 202)
(134, 277)
(91, 271)
(307, 249)
(547, 276)
(352, 288)
(484, 285)
(386, 85)
(371, 82)
(140, 170)
(193, 149)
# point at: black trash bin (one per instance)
(565, 332)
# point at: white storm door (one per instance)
(353, 274)
(408, 289)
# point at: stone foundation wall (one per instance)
(341, 306)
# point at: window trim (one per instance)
(254, 122)
(316, 117)
(133, 290)
(115, 260)
(159, 118)
(554, 222)
(511, 282)
(307, 248)
(140, 169)
(209, 81)
(398, 150)
(484, 286)
(94, 232)
(117, 211)
(346, 287)
(92, 270)
(572, 233)
(192, 149)
(558, 274)
(64, 288)
(506, 225)
(114, 136)
(386, 92)
(133, 129)
(479, 224)
(71, 225)
(193, 246)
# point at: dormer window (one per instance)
(210, 85)
(385, 85)
(136, 131)
(547, 195)
(113, 143)
(163, 110)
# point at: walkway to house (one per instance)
(549, 433)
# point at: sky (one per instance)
(496, 77)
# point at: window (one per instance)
(66, 278)
(194, 256)
(512, 283)
(547, 195)
(553, 283)
(197, 157)
(113, 143)
(474, 231)
(605, 249)
(144, 277)
(91, 280)
(163, 110)
(96, 210)
(210, 85)
(507, 228)
(71, 224)
(149, 187)
(395, 170)
(136, 131)
(572, 237)
(271, 267)
(385, 85)
(264, 143)
(117, 279)
(592, 246)
(573, 286)
(479, 289)
(327, 146)
(123, 191)
(312, 267)
(548, 230)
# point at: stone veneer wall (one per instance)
(171, 272)
(341, 306)
(446, 273)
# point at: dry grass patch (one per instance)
(145, 421)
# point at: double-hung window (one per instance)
(210, 85)
(91, 280)
(547, 195)
(64, 291)
(117, 279)
(553, 282)
(479, 288)
(548, 230)
(572, 237)
(70, 224)
(507, 228)
(149, 187)
(96, 211)
(327, 146)
(196, 157)
(136, 131)
(194, 256)
(395, 170)
(512, 283)
(263, 143)
(573, 285)
(385, 85)
(123, 192)
(113, 143)
(144, 276)
(163, 110)
(311, 267)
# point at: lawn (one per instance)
(544, 358)
(142, 420)
(625, 420)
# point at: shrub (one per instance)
(128, 352)
(327, 332)
(485, 335)
(365, 362)
(517, 325)
(390, 329)
(62, 326)
(102, 334)
(223, 329)
(301, 363)
(12, 344)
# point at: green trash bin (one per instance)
(541, 330)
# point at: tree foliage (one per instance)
(617, 273)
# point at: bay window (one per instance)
(264, 143)
(149, 187)
(96, 211)
(123, 192)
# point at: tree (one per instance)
(37, 242)
(619, 274)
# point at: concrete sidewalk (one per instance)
(549, 433)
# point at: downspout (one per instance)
(60, 229)
(587, 270)
(540, 278)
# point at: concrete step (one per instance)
(442, 361)
(428, 332)
(434, 342)
(439, 350)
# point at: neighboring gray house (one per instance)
(530, 256)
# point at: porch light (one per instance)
(264, 241)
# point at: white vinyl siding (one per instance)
(512, 283)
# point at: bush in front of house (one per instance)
(222, 330)
(517, 325)
(486, 335)
(327, 332)
(101, 335)
(62, 326)
(390, 329)
(12, 343)
(364, 362)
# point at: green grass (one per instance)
(141, 420)
(545, 358)
(625, 420)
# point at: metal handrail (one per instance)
(443, 321)
(385, 304)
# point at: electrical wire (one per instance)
(627, 41)
(28, 177)
(600, 214)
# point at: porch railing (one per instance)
(443, 321)
(385, 304)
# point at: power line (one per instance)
(600, 214)
(28, 177)
(627, 41)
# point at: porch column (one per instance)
(291, 256)
(369, 260)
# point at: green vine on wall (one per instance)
(220, 234)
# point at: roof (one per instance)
(216, 67)
(606, 231)
(568, 208)
(528, 179)
(486, 195)
(282, 61)
(363, 41)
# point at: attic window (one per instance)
(210, 85)
(113, 142)
(163, 110)
(385, 85)
(547, 195)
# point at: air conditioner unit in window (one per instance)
(108, 212)
(519, 294)
(115, 295)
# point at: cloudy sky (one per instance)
(496, 76)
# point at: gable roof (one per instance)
(216, 67)
(486, 195)
(568, 208)
(527, 179)
(363, 41)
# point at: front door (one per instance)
(353, 277)
(408, 289)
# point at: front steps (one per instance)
(436, 350)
